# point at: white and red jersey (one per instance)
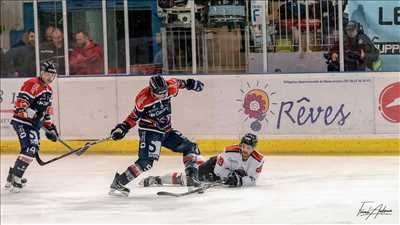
(33, 105)
(231, 159)
(152, 113)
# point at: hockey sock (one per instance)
(190, 161)
(172, 178)
(130, 174)
(21, 164)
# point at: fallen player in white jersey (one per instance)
(239, 165)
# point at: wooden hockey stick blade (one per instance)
(84, 148)
(42, 163)
(197, 190)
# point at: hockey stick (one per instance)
(60, 140)
(87, 145)
(197, 190)
(90, 144)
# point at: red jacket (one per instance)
(88, 60)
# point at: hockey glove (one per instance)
(195, 85)
(234, 179)
(119, 131)
(51, 133)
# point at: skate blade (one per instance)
(15, 190)
(7, 186)
(114, 192)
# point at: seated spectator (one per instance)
(20, 61)
(54, 51)
(360, 53)
(87, 56)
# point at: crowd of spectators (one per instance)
(85, 56)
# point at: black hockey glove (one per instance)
(235, 178)
(51, 133)
(119, 131)
(195, 85)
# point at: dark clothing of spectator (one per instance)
(20, 62)
(2, 63)
(50, 52)
(87, 60)
(19, 44)
(353, 60)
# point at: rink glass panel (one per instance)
(85, 16)
(51, 34)
(154, 36)
(17, 24)
(116, 37)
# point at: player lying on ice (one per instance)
(239, 165)
(152, 113)
(33, 109)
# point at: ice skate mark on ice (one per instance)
(395, 102)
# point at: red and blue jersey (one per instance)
(33, 105)
(153, 113)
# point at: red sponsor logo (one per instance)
(389, 103)
(220, 161)
(259, 169)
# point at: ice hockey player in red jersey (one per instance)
(152, 113)
(33, 110)
(239, 165)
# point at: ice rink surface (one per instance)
(291, 189)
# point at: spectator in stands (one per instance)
(20, 60)
(87, 56)
(2, 64)
(360, 53)
(49, 31)
(27, 37)
(54, 50)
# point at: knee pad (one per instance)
(145, 164)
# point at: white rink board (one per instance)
(341, 104)
(88, 108)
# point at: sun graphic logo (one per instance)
(389, 103)
(256, 104)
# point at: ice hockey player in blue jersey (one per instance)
(152, 113)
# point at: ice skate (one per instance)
(10, 179)
(192, 179)
(117, 189)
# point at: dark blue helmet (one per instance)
(49, 67)
(158, 85)
(249, 139)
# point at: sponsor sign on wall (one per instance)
(387, 105)
(308, 105)
(229, 106)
